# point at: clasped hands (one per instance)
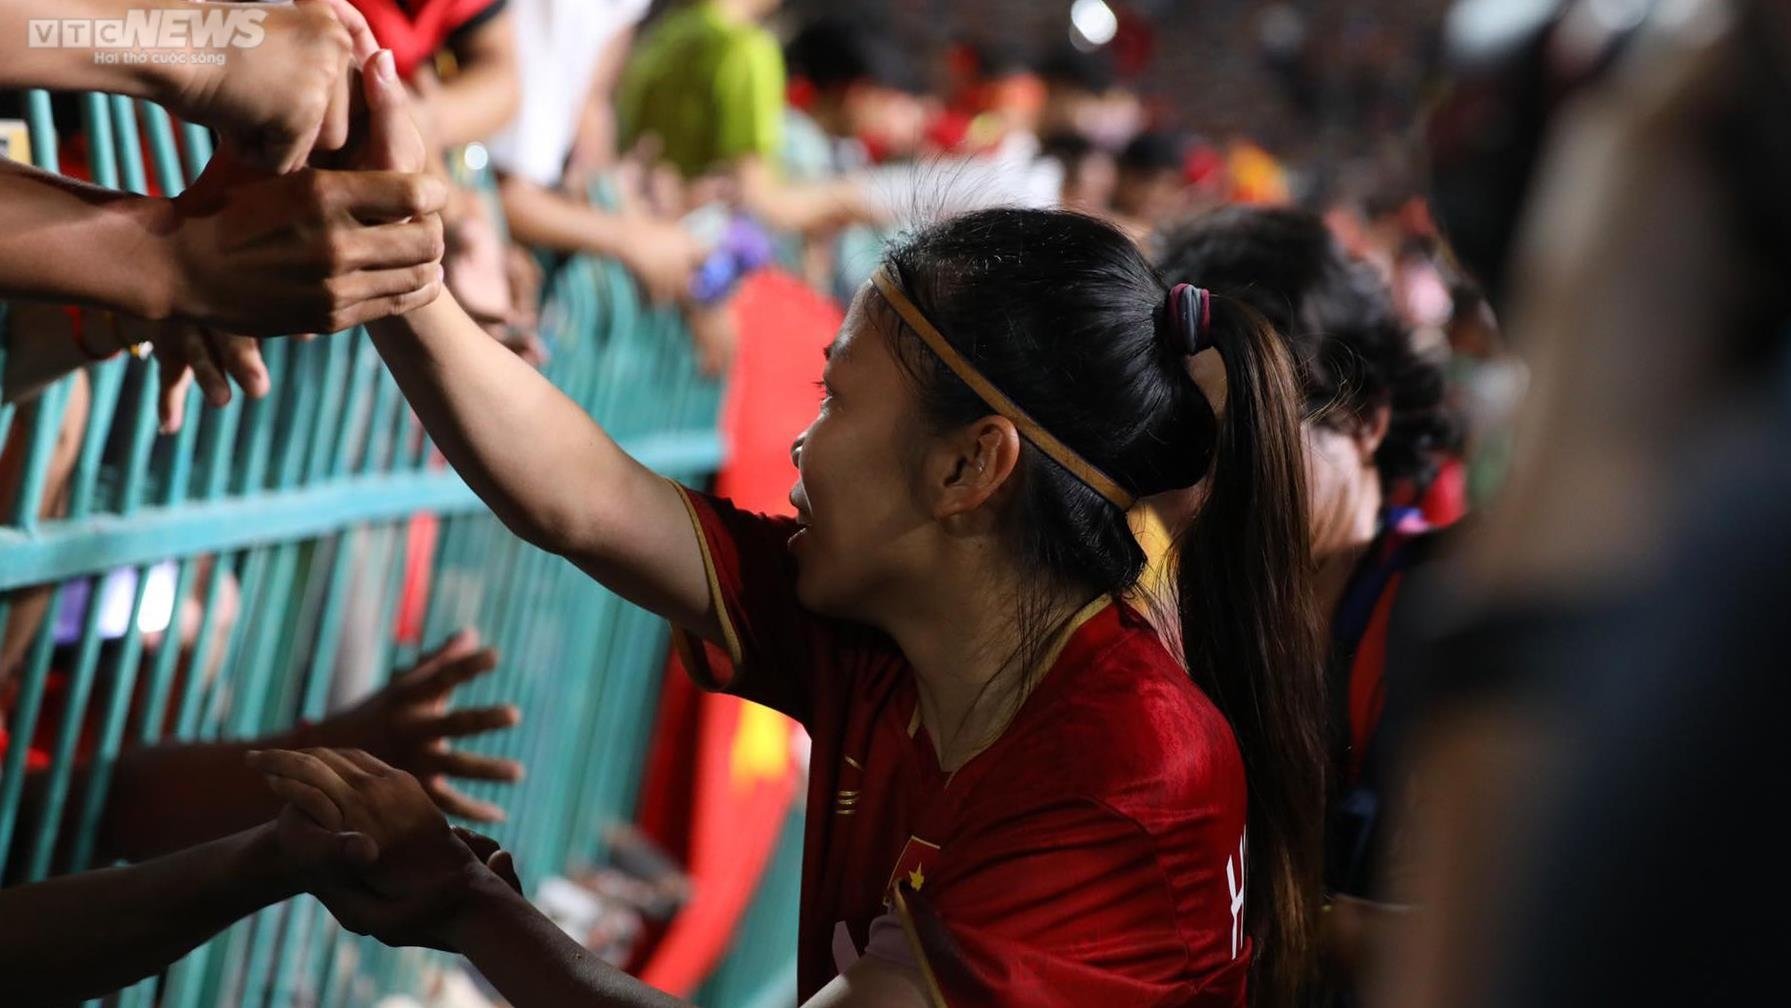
(368, 841)
(315, 215)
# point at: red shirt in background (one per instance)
(1093, 855)
(415, 29)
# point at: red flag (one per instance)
(720, 804)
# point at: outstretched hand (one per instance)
(408, 724)
(312, 251)
(367, 841)
(288, 95)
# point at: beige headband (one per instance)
(1041, 438)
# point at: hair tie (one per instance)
(1191, 313)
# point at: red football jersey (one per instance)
(1092, 855)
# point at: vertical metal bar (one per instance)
(254, 569)
(261, 628)
(338, 360)
(46, 424)
(43, 130)
(26, 708)
(223, 567)
(134, 486)
(363, 368)
(304, 924)
(373, 453)
(264, 938)
(195, 148)
(175, 486)
(186, 978)
(155, 710)
(306, 370)
(74, 713)
(216, 443)
(102, 156)
(104, 383)
(111, 734)
(388, 606)
(130, 145)
(259, 417)
(163, 152)
(329, 629)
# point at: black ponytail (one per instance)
(1249, 632)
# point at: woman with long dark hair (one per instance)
(1378, 426)
(1017, 795)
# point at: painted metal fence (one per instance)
(314, 502)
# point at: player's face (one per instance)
(864, 527)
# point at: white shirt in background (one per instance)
(558, 43)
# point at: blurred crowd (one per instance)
(1529, 265)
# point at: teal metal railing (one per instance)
(312, 503)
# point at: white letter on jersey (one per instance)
(1234, 881)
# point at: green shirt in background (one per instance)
(711, 90)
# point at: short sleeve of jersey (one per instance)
(771, 642)
(749, 96)
(1063, 905)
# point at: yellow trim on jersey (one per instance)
(730, 639)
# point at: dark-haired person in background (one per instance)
(1379, 426)
(1018, 795)
(857, 102)
(1084, 97)
(1149, 187)
(860, 88)
(1089, 172)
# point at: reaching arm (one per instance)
(534, 963)
(69, 69)
(545, 467)
(81, 935)
(247, 252)
(277, 99)
(40, 350)
(542, 217)
(63, 240)
(168, 796)
(660, 254)
(800, 208)
(455, 891)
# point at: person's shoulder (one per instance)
(1127, 726)
(750, 45)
